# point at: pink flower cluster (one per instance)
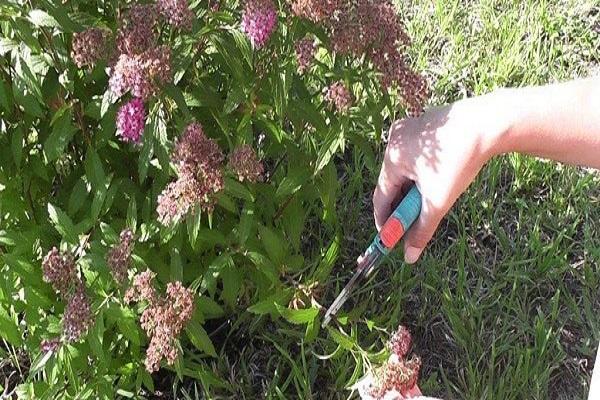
(50, 345)
(141, 74)
(305, 53)
(314, 10)
(131, 120)
(142, 288)
(119, 257)
(245, 164)
(58, 269)
(89, 46)
(198, 160)
(398, 374)
(176, 13)
(370, 29)
(259, 21)
(163, 319)
(339, 96)
(77, 318)
(138, 30)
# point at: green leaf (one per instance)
(247, 222)
(328, 150)
(293, 182)
(62, 133)
(194, 220)
(145, 156)
(6, 98)
(125, 320)
(237, 189)
(274, 244)
(42, 19)
(298, 317)
(9, 329)
(132, 214)
(176, 265)
(62, 223)
(174, 92)
(17, 144)
(328, 261)
(232, 281)
(78, 196)
(235, 97)
(94, 170)
(209, 307)
(343, 340)
(269, 305)
(200, 339)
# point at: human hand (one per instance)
(441, 151)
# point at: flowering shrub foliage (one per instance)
(159, 163)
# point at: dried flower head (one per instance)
(89, 46)
(396, 375)
(194, 151)
(259, 21)
(198, 160)
(339, 96)
(314, 10)
(59, 270)
(137, 32)
(163, 321)
(305, 53)
(142, 288)
(131, 120)
(141, 74)
(371, 29)
(245, 164)
(400, 341)
(77, 318)
(119, 257)
(177, 13)
(50, 345)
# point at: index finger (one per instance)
(388, 190)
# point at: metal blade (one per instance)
(366, 265)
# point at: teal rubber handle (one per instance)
(400, 221)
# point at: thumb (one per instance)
(419, 235)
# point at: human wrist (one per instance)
(507, 110)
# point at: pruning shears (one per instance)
(390, 234)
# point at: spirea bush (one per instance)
(160, 163)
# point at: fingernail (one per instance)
(412, 254)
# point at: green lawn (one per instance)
(506, 302)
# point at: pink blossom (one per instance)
(259, 21)
(131, 120)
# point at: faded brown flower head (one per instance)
(142, 288)
(339, 97)
(59, 270)
(399, 375)
(177, 13)
(142, 74)
(138, 30)
(314, 10)
(163, 321)
(77, 318)
(400, 341)
(198, 160)
(50, 345)
(245, 164)
(305, 53)
(371, 29)
(89, 46)
(119, 257)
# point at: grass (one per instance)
(505, 303)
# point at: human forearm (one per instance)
(560, 122)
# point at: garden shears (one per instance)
(390, 234)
